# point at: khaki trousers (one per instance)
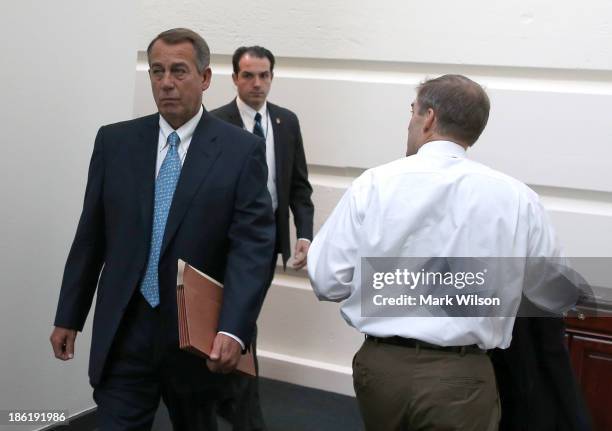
(403, 388)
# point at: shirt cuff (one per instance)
(234, 337)
(305, 239)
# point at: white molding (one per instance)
(306, 372)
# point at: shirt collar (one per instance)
(185, 132)
(447, 148)
(247, 111)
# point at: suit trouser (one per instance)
(241, 405)
(404, 388)
(142, 368)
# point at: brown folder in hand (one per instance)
(199, 299)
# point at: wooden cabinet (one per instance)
(590, 345)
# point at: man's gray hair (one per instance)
(461, 106)
(180, 35)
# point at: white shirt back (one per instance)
(436, 203)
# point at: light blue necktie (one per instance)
(165, 184)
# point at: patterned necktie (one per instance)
(258, 129)
(165, 184)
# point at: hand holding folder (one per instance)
(199, 299)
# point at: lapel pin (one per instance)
(277, 120)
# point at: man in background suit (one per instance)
(177, 184)
(287, 182)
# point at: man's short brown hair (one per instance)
(461, 106)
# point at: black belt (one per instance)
(411, 342)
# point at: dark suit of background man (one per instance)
(178, 184)
(287, 182)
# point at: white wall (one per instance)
(349, 69)
(521, 33)
(67, 68)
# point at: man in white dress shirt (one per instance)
(430, 372)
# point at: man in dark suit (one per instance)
(287, 182)
(177, 184)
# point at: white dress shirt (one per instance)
(436, 203)
(185, 133)
(248, 119)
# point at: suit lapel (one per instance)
(234, 115)
(144, 159)
(203, 152)
(279, 149)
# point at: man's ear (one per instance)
(235, 79)
(430, 120)
(206, 78)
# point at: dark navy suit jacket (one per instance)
(292, 186)
(220, 221)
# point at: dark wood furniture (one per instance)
(589, 338)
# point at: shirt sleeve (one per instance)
(542, 237)
(333, 253)
(234, 337)
(550, 282)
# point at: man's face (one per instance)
(176, 83)
(415, 130)
(253, 80)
